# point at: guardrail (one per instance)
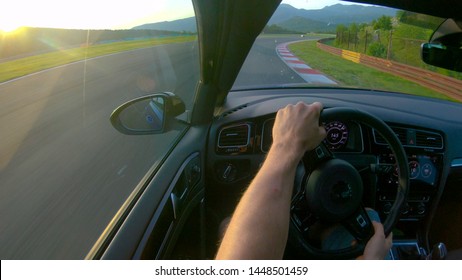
(444, 84)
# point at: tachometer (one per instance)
(337, 135)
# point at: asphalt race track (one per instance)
(64, 171)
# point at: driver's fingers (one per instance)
(389, 241)
(379, 232)
(318, 107)
(378, 228)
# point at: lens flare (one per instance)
(9, 28)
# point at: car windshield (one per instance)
(65, 172)
(343, 44)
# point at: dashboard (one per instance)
(347, 140)
(241, 136)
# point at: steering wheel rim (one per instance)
(351, 114)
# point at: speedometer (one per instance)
(337, 135)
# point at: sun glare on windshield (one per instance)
(9, 29)
(87, 14)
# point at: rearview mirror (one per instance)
(445, 47)
(149, 114)
(442, 56)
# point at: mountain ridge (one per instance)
(290, 17)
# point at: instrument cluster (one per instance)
(341, 136)
(337, 135)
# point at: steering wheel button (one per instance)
(361, 221)
(319, 152)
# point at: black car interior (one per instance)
(410, 168)
(241, 136)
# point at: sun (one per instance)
(9, 28)
(10, 20)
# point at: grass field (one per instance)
(404, 47)
(351, 74)
(27, 65)
(302, 36)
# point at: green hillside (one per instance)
(305, 25)
(402, 43)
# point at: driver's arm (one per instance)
(378, 246)
(260, 224)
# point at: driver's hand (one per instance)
(378, 246)
(297, 130)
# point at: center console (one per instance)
(424, 178)
(425, 151)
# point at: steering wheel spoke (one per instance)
(359, 225)
(312, 159)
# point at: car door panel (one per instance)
(152, 225)
(175, 208)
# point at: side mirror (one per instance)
(149, 114)
(445, 47)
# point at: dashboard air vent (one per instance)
(234, 136)
(414, 138)
(401, 133)
(429, 139)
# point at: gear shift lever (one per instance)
(439, 252)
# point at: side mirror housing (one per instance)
(150, 114)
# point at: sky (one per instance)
(312, 4)
(105, 14)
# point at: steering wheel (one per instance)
(329, 190)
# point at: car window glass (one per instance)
(64, 170)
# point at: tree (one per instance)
(276, 29)
(377, 49)
(341, 28)
(354, 27)
(383, 23)
(363, 26)
(401, 15)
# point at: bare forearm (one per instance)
(259, 226)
